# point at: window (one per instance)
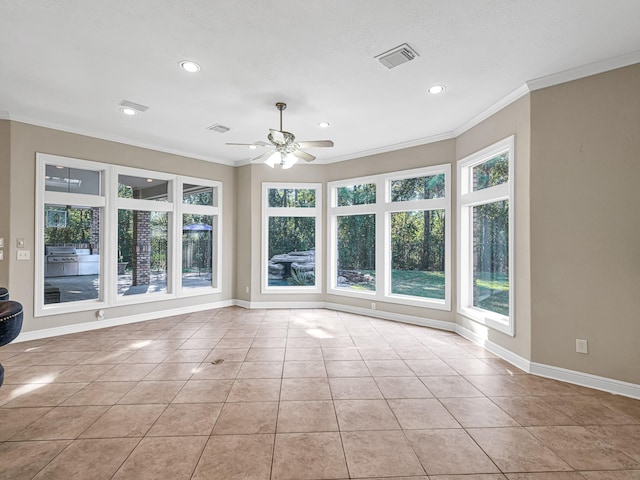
(145, 212)
(200, 236)
(108, 235)
(389, 235)
(290, 237)
(485, 236)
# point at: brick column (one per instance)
(94, 233)
(142, 248)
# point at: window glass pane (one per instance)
(72, 261)
(491, 257)
(197, 250)
(288, 197)
(72, 180)
(199, 195)
(357, 252)
(356, 195)
(292, 257)
(142, 252)
(143, 188)
(417, 253)
(418, 188)
(491, 173)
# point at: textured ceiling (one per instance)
(68, 63)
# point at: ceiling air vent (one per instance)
(397, 56)
(219, 128)
(135, 106)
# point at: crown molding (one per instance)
(389, 148)
(374, 151)
(114, 138)
(585, 71)
(508, 99)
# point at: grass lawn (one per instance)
(491, 292)
(418, 283)
(410, 282)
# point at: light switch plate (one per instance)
(1, 254)
(20, 242)
(24, 254)
(1, 242)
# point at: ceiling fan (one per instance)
(286, 150)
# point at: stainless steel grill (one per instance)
(60, 261)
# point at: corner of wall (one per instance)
(5, 194)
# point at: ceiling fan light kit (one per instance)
(287, 151)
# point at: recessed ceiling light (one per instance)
(323, 124)
(149, 180)
(252, 147)
(59, 167)
(128, 111)
(188, 66)
(436, 89)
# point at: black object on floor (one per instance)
(10, 325)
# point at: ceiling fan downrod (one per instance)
(281, 106)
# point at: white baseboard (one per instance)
(398, 317)
(507, 355)
(586, 380)
(113, 322)
(548, 371)
(556, 373)
(270, 305)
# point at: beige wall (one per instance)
(5, 192)
(511, 120)
(244, 233)
(26, 140)
(585, 225)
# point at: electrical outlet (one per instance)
(1, 242)
(1, 254)
(23, 254)
(582, 346)
(246, 289)
(373, 306)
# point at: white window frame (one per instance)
(467, 199)
(109, 202)
(382, 209)
(146, 206)
(44, 197)
(268, 212)
(214, 210)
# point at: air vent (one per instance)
(134, 106)
(397, 56)
(219, 128)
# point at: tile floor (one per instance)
(300, 394)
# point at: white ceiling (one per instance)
(68, 63)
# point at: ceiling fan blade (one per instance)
(315, 143)
(262, 156)
(277, 137)
(303, 155)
